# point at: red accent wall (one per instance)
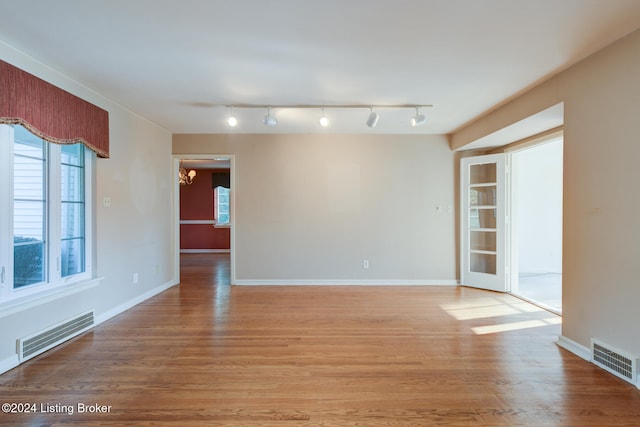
(196, 203)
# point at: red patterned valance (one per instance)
(52, 113)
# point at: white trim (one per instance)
(175, 223)
(205, 251)
(490, 281)
(197, 221)
(133, 302)
(17, 299)
(584, 353)
(552, 135)
(350, 282)
(16, 305)
(13, 361)
(9, 363)
(575, 348)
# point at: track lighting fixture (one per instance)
(324, 121)
(270, 120)
(372, 120)
(418, 119)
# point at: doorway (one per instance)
(535, 197)
(213, 213)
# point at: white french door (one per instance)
(482, 218)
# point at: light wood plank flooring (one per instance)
(208, 354)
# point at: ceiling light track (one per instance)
(271, 120)
(328, 106)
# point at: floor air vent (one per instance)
(622, 365)
(40, 342)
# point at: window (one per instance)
(221, 205)
(46, 192)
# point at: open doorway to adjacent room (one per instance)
(203, 210)
(536, 223)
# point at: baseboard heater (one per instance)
(38, 343)
(616, 362)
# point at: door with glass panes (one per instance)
(483, 222)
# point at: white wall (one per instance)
(132, 236)
(310, 208)
(537, 189)
(600, 203)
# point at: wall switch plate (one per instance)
(365, 263)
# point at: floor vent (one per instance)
(620, 364)
(40, 342)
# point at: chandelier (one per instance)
(186, 178)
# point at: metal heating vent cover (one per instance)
(618, 363)
(33, 345)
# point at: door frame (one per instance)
(498, 281)
(176, 158)
(511, 231)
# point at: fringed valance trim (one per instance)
(51, 113)
(33, 130)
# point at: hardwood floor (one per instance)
(207, 354)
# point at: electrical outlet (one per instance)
(365, 263)
(135, 277)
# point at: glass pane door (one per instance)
(482, 215)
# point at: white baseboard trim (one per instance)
(9, 363)
(583, 352)
(575, 348)
(13, 361)
(352, 282)
(133, 302)
(205, 251)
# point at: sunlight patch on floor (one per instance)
(514, 326)
(489, 307)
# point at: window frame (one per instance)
(216, 207)
(54, 283)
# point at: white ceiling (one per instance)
(179, 62)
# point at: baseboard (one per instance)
(205, 251)
(358, 282)
(575, 348)
(583, 352)
(133, 302)
(9, 363)
(13, 361)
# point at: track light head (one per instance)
(270, 120)
(324, 121)
(231, 120)
(373, 118)
(418, 119)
